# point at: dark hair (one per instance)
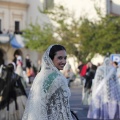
(115, 63)
(10, 67)
(55, 49)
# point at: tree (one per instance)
(64, 32)
(102, 36)
(66, 29)
(81, 37)
(38, 38)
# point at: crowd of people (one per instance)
(13, 95)
(101, 88)
(49, 95)
(14, 81)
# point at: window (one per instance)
(111, 3)
(48, 4)
(17, 26)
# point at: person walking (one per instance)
(88, 84)
(105, 93)
(84, 70)
(29, 68)
(28, 61)
(49, 95)
(68, 73)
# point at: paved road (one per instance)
(76, 103)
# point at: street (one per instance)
(76, 103)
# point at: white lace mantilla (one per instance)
(49, 94)
(105, 84)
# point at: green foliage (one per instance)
(38, 38)
(66, 29)
(101, 37)
(81, 37)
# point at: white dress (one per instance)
(49, 94)
(105, 102)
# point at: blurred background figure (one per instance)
(17, 57)
(1, 59)
(12, 94)
(118, 73)
(1, 67)
(68, 73)
(84, 70)
(19, 71)
(105, 92)
(29, 69)
(88, 84)
(80, 65)
(28, 61)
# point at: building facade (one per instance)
(15, 16)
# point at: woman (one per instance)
(49, 94)
(105, 102)
(19, 71)
(88, 83)
(12, 95)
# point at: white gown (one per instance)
(49, 94)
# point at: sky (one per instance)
(80, 7)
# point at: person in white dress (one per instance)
(49, 95)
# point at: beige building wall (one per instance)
(34, 15)
(115, 7)
(10, 12)
(26, 12)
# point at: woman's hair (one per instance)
(55, 49)
(115, 63)
(7, 72)
(10, 67)
(10, 70)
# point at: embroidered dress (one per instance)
(49, 95)
(105, 102)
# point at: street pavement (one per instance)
(76, 103)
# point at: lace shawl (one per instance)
(105, 84)
(49, 95)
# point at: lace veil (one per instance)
(105, 84)
(49, 95)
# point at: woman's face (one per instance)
(60, 59)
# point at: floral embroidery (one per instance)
(49, 81)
